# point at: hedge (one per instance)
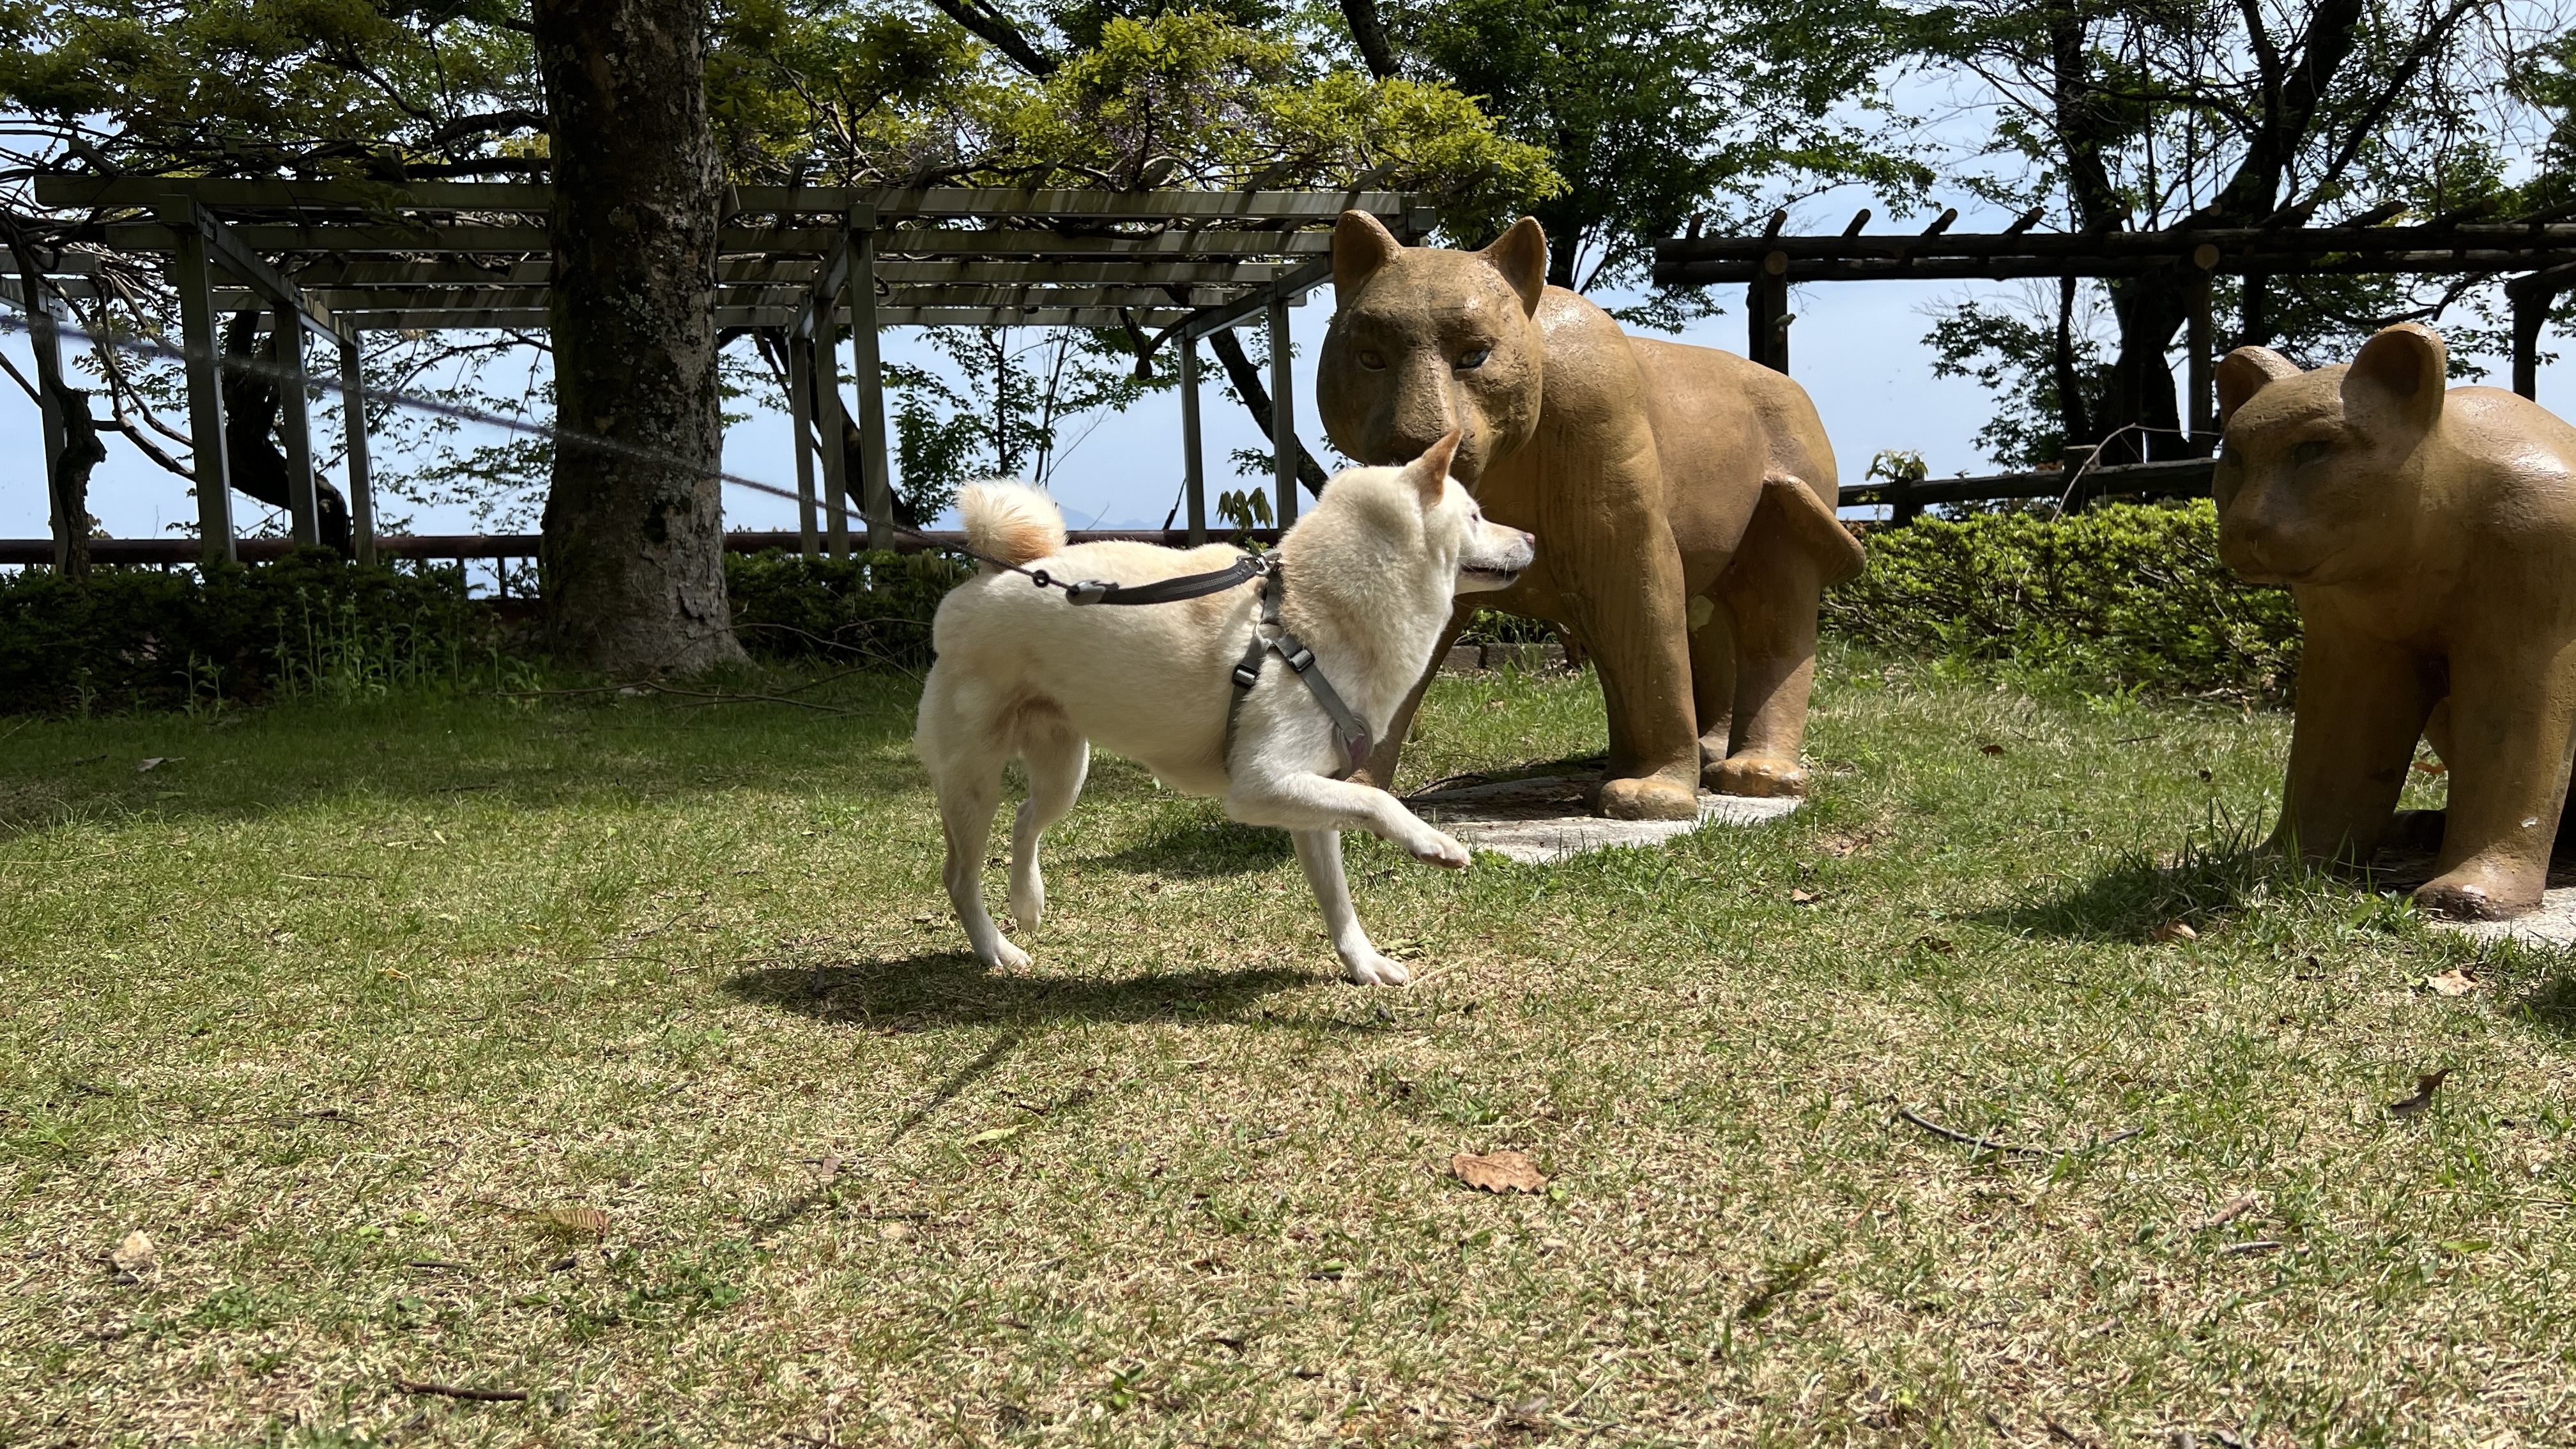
(2130, 595)
(132, 638)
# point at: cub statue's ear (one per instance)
(1520, 254)
(1361, 245)
(2403, 367)
(2245, 372)
(1430, 472)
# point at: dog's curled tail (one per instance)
(1012, 522)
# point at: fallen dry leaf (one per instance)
(2422, 1101)
(898, 1232)
(2431, 767)
(154, 763)
(997, 1134)
(1990, 749)
(1505, 1171)
(2173, 931)
(588, 1220)
(1800, 898)
(2450, 983)
(135, 1255)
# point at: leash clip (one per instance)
(1089, 591)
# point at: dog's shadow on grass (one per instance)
(954, 989)
(1196, 850)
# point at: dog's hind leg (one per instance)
(970, 790)
(1058, 760)
(1320, 852)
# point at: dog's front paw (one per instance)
(1372, 969)
(1436, 848)
(1007, 957)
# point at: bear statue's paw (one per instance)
(1761, 776)
(2464, 897)
(1651, 798)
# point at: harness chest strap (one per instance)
(1351, 731)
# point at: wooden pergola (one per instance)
(822, 268)
(2540, 252)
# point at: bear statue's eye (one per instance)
(2308, 452)
(1475, 359)
(1372, 361)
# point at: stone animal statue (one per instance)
(1683, 499)
(2429, 536)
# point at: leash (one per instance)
(1350, 731)
(1097, 591)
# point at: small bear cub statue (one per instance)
(2429, 536)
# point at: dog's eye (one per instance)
(1475, 359)
(1374, 362)
(2308, 452)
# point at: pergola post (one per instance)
(2533, 294)
(1766, 314)
(1193, 455)
(353, 428)
(2200, 369)
(191, 272)
(800, 410)
(876, 485)
(294, 426)
(834, 281)
(44, 334)
(1283, 414)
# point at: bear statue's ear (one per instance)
(2406, 367)
(2245, 372)
(1521, 256)
(1430, 472)
(1361, 245)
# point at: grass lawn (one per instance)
(624, 1056)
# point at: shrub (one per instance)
(872, 607)
(308, 624)
(2131, 595)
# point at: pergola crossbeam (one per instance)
(340, 258)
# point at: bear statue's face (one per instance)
(1426, 341)
(2317, 479)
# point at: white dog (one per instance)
(1368, 576)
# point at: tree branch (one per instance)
(1256, 401)
(996, 30)
(1369, 34)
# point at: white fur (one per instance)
(1371, 573)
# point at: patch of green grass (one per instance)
(359, 1013)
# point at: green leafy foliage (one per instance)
(871, 608)
(130, 639)
(1656, 110)
(2127, 595)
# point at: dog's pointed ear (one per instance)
(1430, 472)
(2404, 367)
(1521, 256)
(2245, 372)
(1361, 245)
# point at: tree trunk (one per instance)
(633, 548)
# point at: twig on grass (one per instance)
(2010, 1149)
(452, 1391)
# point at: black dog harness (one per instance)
(1350, 731)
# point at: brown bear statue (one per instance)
(2429, 536)
(1683, 499)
